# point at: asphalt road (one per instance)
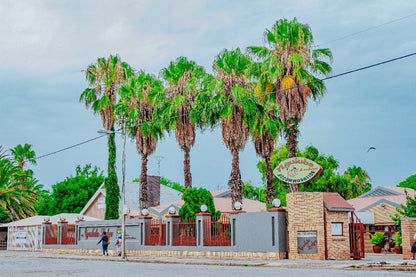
(47, 266)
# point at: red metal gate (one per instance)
(157, 234)
(51, 234)
(68, 234)
(217, 231)
(184, 232)
(357, 249)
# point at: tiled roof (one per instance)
(334, 202)
(363, 203)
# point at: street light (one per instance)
(123, 193)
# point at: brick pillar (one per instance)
(170, 219)
(144, 232)
(45, 224)
(202, 220)
(408, 232)
(61, 225)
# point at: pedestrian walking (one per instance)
(105, 242)
(413, 249)
(119, 242)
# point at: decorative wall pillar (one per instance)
(77, 230)
(233, 218)
(145, 228)
(45, 225)
(202, 220)
(170, 220)
(61, 230)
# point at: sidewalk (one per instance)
(371, 262)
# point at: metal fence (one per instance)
(184, 232)
(68, 234)
(51, 234)
(217, 231)
(157, 234)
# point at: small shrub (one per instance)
(397, 239)
(377, 238)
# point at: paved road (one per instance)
(45, 266)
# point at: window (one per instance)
(336, 229)
(101, 203)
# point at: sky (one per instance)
(45, 45)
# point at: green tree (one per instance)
(23, 154)
(17, 199)
(293, 66)
(256, 193)
(171, 184)
(327, 181)
(360, 177)
(231, 69)
(410, 182)
(185, 79)
(408, 210)
(138, 98)
(72, 194)
(193, 199)
(104, 77)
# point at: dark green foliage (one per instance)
(405, 211)
(255, 193)
(112, 189)
(327, 181)
(410, 182)
(4, 216)
(72, 194)
(171, 184)
(194, 198)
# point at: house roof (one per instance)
(334, 202)
(39, 219)
(382, 194)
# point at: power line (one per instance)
(368, 29)
(236, 102)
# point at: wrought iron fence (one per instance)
(68, 234)
(157, 234)
(184, 232)
(217, 231)
(51, 234)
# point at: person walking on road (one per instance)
(105, 241)
(413, 249)
(119, 242)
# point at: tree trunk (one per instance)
(144, 200)
(187, 168)
(270, 188)
(292, 143)
(111, 183)
(235, 180)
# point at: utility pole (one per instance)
(159, 159)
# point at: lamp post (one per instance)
(123, 193)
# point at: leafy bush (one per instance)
(377, 238)
(194, 198)
(397, 239)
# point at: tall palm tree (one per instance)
(231, 68)
(15, 197)
(23, 154)
(104, 77)
(184, 78)
(294, 65)
(138, 98)
(360, 178)
(265, 134)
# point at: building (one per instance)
(375, 209)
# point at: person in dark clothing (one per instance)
(413, 248)
(104, 240)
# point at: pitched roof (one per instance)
(334, 202)
(383, 194)
(38, 219)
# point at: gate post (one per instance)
(145, 228)
(170, 220)
(45, 225)
(62, 230)
(77, 229)
(203, 227)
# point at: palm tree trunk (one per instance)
(235, 180)
(270, 188)
(292, 143)
(144, 200)
(111, 184)
(187, 168)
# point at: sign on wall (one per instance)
(297, 170)
(307, 243)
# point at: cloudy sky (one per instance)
(44, 45)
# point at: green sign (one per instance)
(297, 170)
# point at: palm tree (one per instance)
(231, 68)
(137, 104)
(15, 197)
(104, 77)
(360, 178)
(265, 134)
(293, 65)
(184, 78)
(23, 154)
